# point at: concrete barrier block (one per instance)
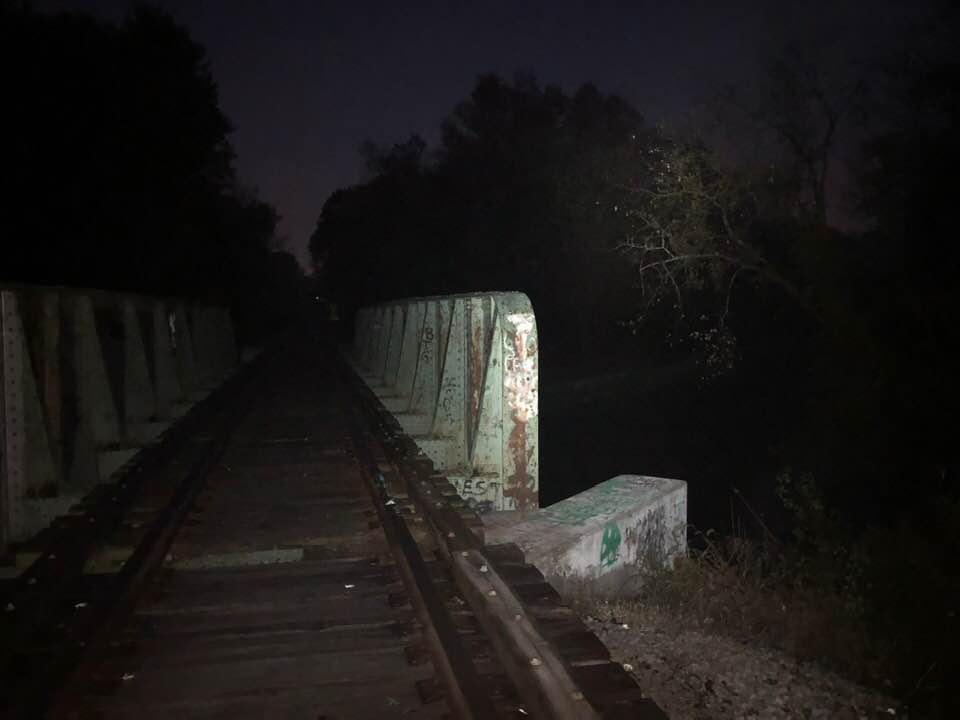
(603, 535)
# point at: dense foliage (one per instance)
(117, 165)
(498, 208)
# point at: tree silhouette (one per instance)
(118, 165)
(499, 205)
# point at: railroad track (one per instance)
(288, 552)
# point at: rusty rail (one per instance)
(460, 374)
(465, 691)
(44, 636)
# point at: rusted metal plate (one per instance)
(470, 399)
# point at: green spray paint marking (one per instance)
(610, 544)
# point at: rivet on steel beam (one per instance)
(518, 617)
(578, 695)
(535, 661)
(483, 568)
(451, 534)
(464, 553)
(492, 593)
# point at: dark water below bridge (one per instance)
(663, 422)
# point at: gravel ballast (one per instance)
(699, 676)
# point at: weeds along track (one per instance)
(286, 552)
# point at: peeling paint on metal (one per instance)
(472, 398)
(476, 374)
(520, 387)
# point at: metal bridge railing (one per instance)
(460, 374)
(88, 378)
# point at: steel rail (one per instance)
(465, 692)
(35, 600)
(536, 668)
(148, 557)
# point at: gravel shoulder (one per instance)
(697, 676)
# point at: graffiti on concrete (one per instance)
(610, 544)
(604, 499)
(652, 538)
(475, 486)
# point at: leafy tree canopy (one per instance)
(118, 164)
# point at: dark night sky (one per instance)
(305, 83)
